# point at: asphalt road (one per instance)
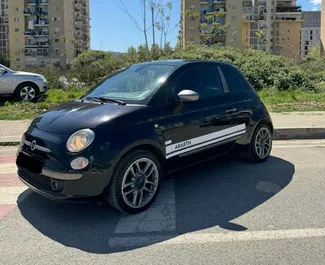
(221, 212)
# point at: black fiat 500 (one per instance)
(121, 138)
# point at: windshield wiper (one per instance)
(104, 99)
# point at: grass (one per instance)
(276, 101)
(298, 100)
(13, 110)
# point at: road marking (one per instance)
(9, 195)
(203, 238)
(161, 216)
(8, 168)
(5, 209)
(10, 180)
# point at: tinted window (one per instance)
(235, 80)
(203, 79)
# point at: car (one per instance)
(22, 85)
(118, 141)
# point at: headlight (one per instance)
(80, 140)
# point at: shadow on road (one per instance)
(208, 195)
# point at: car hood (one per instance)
(26, 73)
(76, 115)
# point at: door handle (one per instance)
(231, 110)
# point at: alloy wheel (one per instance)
(140, 183)
(263, 143)
(27, 93)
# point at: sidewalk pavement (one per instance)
(290, 125)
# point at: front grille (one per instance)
(37, 180)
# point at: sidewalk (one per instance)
(291, 125)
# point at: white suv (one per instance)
(24, 86)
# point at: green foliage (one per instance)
(91, 66)
(3, 60)
(52, 73)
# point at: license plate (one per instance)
(31, 164)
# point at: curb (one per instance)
(279, 134)
(299, 133)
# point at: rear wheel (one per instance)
(27, 92)
(261, 144)
(135, 182)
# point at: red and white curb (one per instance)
(10, 186)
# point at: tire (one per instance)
(254, 153)
(123, 176)
(27, 92)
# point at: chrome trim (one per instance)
(38, 147)
(61, 176)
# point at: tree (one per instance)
(165, 15)
(261, 36)
(141, 26)
(3, 60)
(153, 7)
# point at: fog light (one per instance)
(79, 163)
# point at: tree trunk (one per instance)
(145, 25)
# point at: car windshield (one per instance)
(135, 83)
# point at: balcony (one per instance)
(30, 12)
(4, 20)
(36, 52)
(44, 2)
(41, 23)
(32, 2)
(288, 9)
(36, 33)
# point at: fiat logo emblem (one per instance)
(33, 145)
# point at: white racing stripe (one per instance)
(201, 141)
(203, 238)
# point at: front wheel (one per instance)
(27, 92)
(135, 182)
(261, 144)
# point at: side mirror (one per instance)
(188, 96)
(2, 71)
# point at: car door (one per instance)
(206, 123)
(241, 94)
(6, 83)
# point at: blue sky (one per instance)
(112, 30)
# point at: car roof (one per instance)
(180, 62)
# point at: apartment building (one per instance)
(47, 31)
(4, 28)
(322, 37)
(270, 25)
(310, 31)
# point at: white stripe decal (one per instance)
(206, 143)
(185, 144)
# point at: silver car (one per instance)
(24, 86)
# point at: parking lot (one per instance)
(220, 212)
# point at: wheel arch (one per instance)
(263, 120)
(26, 83)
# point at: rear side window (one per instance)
(203, 79)
(235, 80)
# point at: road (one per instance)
(221, 212)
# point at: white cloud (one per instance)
(316, 4)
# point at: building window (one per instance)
(57, 51)
(16, 29)
(53, 18)
(16, 19)
(311, 32)
(59, 19)
(17, 40)
(56, 8)
(233, 18)
(56, 40)
(56, 30)
(311, 37)
(17, 9)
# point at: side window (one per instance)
(203, 79)
(234, 79)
